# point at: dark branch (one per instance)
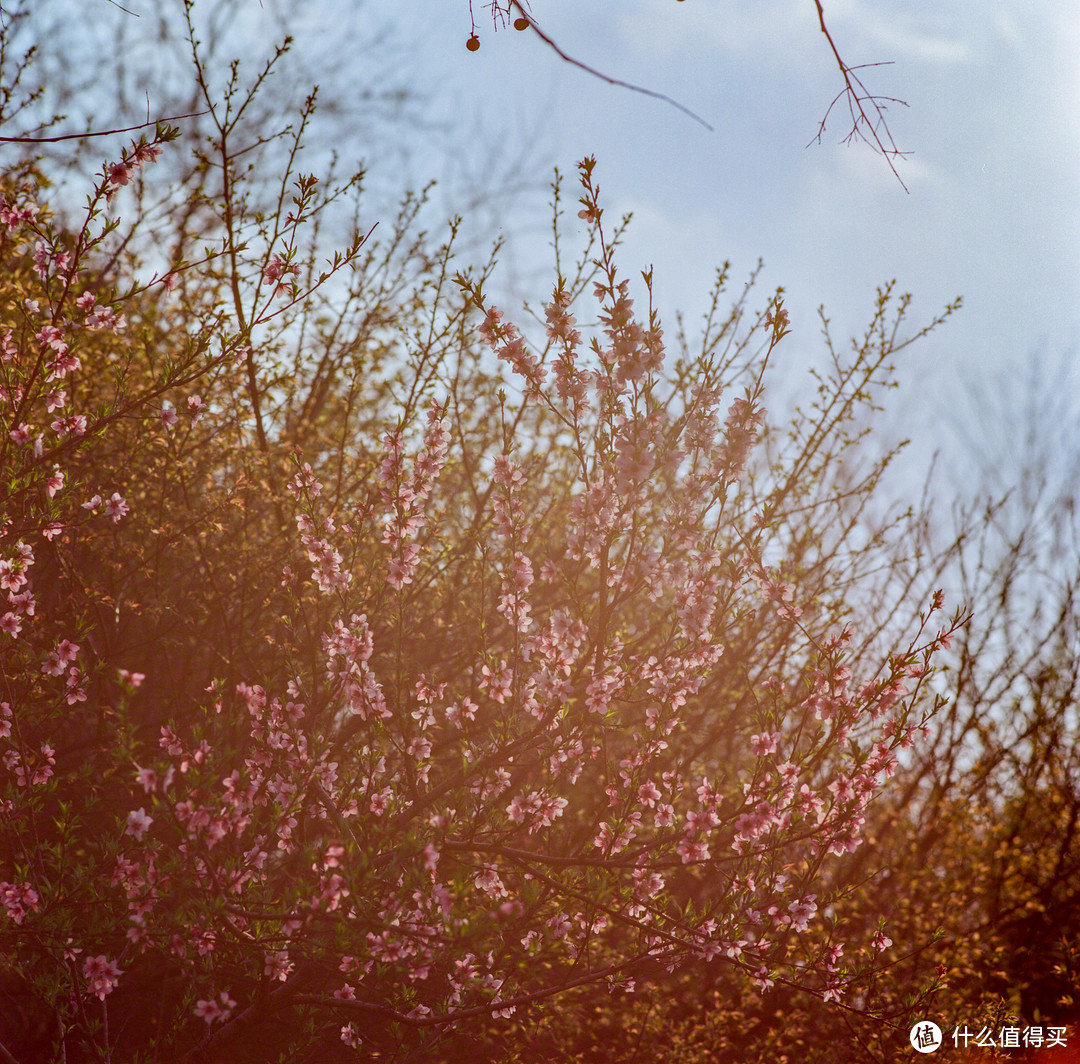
(871, 128)
(97, 133)
(599, 74)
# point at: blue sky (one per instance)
(992, 125)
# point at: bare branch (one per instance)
(97, 133)
(525, 16)
(867, 111)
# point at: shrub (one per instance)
(376, 669)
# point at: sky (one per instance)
(991, 210)
(992, 125)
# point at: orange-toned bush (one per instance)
(359, 691)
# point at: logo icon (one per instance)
(925, 1037)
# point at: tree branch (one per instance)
(515, 4)
(871, 128)
(98, 133)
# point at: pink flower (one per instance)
(277, 965)
(54, 483)
(116, 507)
(119, 174)
(211, 1011)
(102, 975)
(881, 941)
(489, 882)
(137, 822)
(18, 898)
(833, 991)
(765, 743)
(146, 153)
(74, 681)
(801, 911)
(692, 852)
(147, 779)
(497, 684)
(275, 272)
(12, 577)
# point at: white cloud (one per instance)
(761, 27)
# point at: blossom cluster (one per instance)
(510, 727)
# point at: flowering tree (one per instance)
(376, 667)
(972, 851)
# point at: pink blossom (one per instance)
(489, 882)
(275, 273)
(137, 823)
(215, 1011)
(102, 975)
(55, 482)
(146, 153)
(881, 941)
(147, 778)
(12, 575)
(765, 743)
(119, 173)
(20, 435)
(105, 318)
(75, 690)
(497, 684)
(692, 852)
(18, 899)
(277, 965)
(24, 603)
(116, 507)
(833, 991)
(801, 911)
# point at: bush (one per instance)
(380, 673)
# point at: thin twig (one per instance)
(605, 77)
(98, 133)
(858, 95)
